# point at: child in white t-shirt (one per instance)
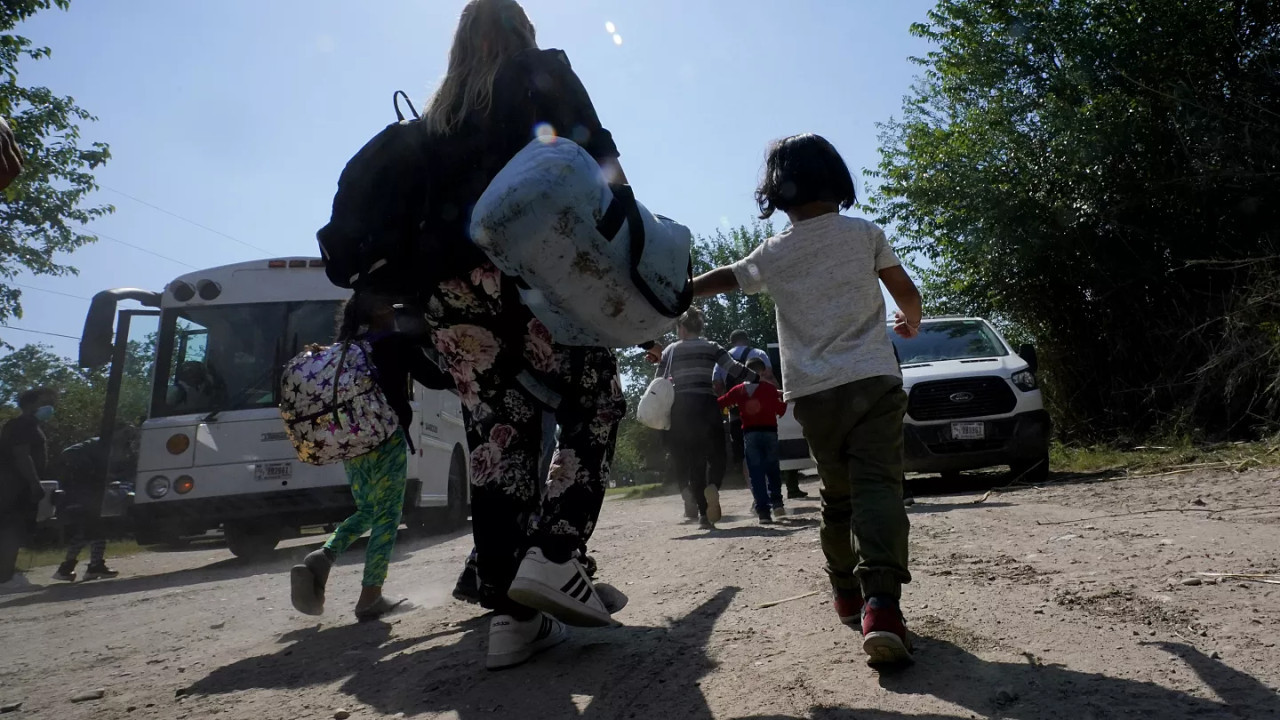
(824, 273)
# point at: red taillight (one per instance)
(277, 264)
(297, 263)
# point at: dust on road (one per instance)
(1067, 601)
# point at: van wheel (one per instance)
(1033, 471)
(250, 541)
(438, 521)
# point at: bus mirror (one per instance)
(98, 340)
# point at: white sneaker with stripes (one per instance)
(562, 590)
(512, 642)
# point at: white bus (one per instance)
(212, 451)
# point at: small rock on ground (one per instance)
(89, 695)
(341, 714)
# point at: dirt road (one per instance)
(1039, 603)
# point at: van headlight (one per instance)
(1024, 381)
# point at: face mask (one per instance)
(44, 412)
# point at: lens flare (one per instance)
(610, 28)
(617, 39)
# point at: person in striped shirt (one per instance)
(697, 442)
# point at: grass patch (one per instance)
(1159, 458)
(53, 555)
(639, 492)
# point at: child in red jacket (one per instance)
(760, 405)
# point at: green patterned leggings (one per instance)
(377, 482)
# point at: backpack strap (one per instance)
(395, 102)
(624, 207)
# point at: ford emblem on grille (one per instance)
(962, 397)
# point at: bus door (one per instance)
(129, 392)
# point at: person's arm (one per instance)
(735, 372)
(907, 296)
(900, 286)
(26, 467)
(425, 369)
(10, 157)
(717, 282)
(731, 398)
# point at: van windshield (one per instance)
(949, 340)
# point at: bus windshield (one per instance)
(952, 340)
(228, 357)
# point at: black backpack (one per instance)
(376, 237)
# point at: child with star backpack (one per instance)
(381, 361)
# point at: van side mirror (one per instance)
(1028, 352)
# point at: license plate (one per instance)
(273, 471)
(968, 431)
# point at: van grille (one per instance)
(961, 398)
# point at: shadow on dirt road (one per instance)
(641, 672)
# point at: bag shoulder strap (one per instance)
(623, 207)
(395, 102)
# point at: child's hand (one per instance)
(903, 327)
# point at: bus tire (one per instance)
(251, 541)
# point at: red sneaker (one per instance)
(849, 607)
(884, 633)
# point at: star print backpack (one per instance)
(332, 406)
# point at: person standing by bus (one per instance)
(84, 464)
(23, 458)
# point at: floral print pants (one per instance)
(486, 345)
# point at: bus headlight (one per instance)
(184, 484)
(177, 444)
(158, 487)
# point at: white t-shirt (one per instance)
(823, 274)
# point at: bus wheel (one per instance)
(250, 541)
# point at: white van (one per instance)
(972, 403)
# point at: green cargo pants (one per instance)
(855, 434)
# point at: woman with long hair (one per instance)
(500, 92)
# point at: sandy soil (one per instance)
(1039, 603)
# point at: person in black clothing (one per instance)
(23, 457)
(499, 94)
(81, 486)
(377, 478)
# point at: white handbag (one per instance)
(654, 409)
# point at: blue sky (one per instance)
(239, 114)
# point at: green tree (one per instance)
(42, 211)
(1102, 176)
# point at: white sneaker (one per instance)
(512, 642)
(562, 590)
(714, 512)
